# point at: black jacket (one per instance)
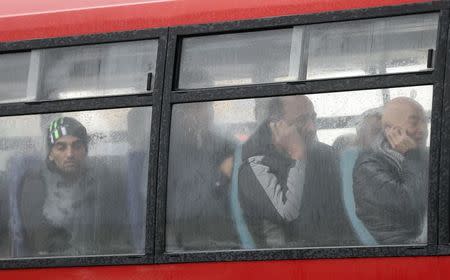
(198, 214)
(318, 218)
(391, 193)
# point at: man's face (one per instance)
(411, 118)
(415, 125)
(68, 154)
(299, 111)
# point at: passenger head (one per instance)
(295, 110)
(407, 115)
(192, 124)
(67, 144)
(368, 127)
(344, 142)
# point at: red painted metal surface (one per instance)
(379, 268)
(29, 19)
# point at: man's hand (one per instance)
(226, 167)
(399, 140)
(287, 138)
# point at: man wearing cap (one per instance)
(70, 206)
(67, 147)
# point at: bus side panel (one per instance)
(47, 22)
(374, 268)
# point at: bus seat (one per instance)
(347, 162)
(236, 210)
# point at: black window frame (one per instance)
(165, 94)
(435, 77)
(151, 98)
(444, 190)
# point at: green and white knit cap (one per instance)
(66, 126)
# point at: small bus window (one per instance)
(75, 183)
(95, 70)
(235, 59)
(318, 51)
(14, 70)
(371, 47)
(321, 170)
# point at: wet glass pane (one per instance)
(14, 70)
(96, 70)
(320, 51)
(74, 184)
(235, 59)
(370, 47)
(284, 172)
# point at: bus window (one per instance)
(235, 59)
(75, 182)
(95, 70)
(318, 51)
(14, 70)
(371, 47)
(286, 189)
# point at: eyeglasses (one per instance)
(302, 119)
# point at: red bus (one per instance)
(180, 113)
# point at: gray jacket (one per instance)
(391, 193)
(85, 217)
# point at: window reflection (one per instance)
(14, 73)
(78, 72)
(96, 70)
(235, 59)
(318, 51)
(262, 173)
(75, 183)
(370, 47)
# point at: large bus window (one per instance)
(270, 173)
(14, 69)
(319, 51)
(95, 70)
(75, 183)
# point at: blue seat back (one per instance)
(347, 162)
(236, 210)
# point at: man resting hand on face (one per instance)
(289, 183)
(390, 179)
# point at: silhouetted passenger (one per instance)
(198, 212)
(289, 183)
(368, 128)
(343, 142)
(390, 179)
